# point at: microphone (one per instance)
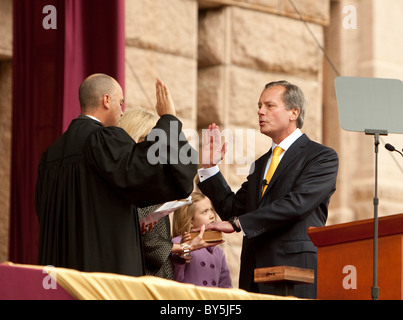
(391, 148)
(264, 183)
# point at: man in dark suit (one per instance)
(275, 212)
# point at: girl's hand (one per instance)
(198, 243)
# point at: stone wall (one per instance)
(161, 41)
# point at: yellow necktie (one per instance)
(273, 166)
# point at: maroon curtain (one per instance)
(94, 42)
(48, 67)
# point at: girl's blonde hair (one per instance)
(182, 218)
(138, 122)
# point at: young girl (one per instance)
(205, 267)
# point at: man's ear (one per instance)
(294, 114)
(106, 100)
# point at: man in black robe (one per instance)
(90, 180)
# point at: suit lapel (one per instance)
(260, 174)
(290, 156)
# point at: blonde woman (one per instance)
(138, 122)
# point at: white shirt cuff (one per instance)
(204, 174)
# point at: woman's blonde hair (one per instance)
(138, 123)
(182, 218)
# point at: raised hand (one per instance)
(164, 103)
(212, 151)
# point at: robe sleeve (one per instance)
(147, 173)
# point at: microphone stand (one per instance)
(376, 134)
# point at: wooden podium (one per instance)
(345, 259)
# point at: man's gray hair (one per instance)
(293, 98)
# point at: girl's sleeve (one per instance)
(178, 263)
(225, 277)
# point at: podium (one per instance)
(345, 259)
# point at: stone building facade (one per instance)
(216, 56)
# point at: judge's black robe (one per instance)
(89, 182)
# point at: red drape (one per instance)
(48, 67)
(94, 42)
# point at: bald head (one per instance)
(94, 88)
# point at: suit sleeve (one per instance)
(311, 191)
(225, 201)
(149, 172)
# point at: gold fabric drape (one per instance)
(107, 286)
